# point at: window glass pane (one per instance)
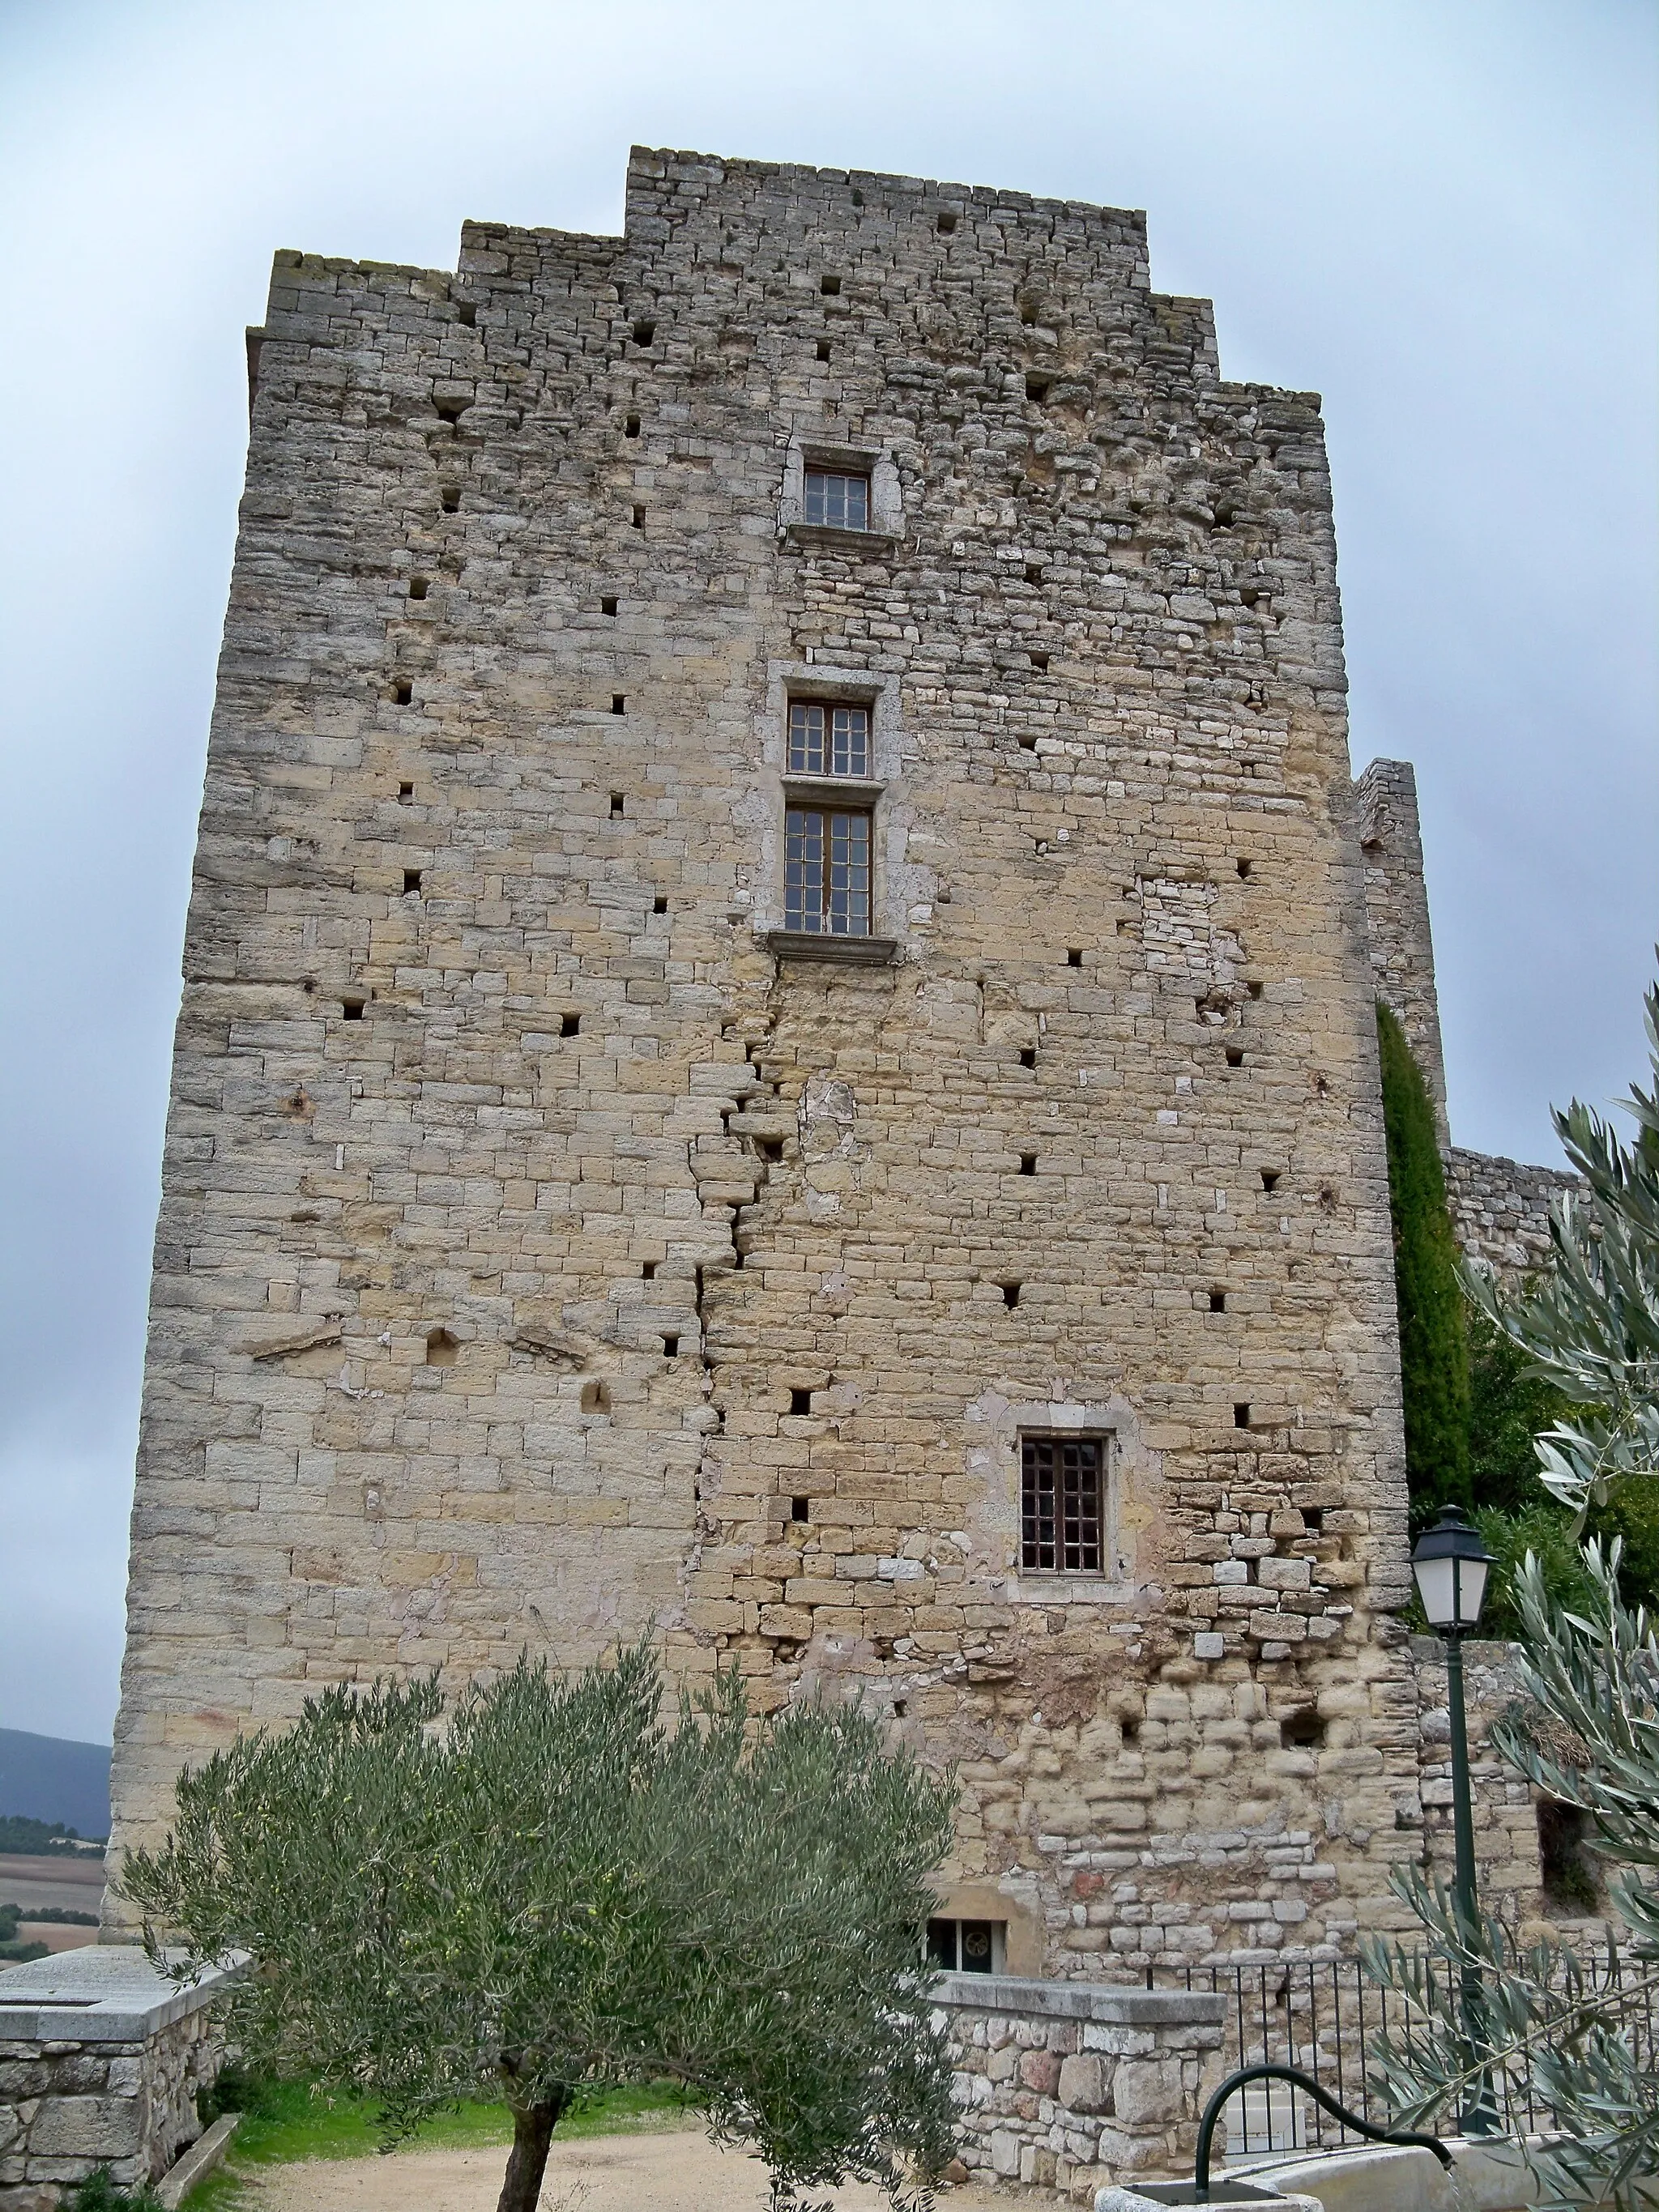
(1060, 1503)
(826, 872)
(806, 722)
(836, 501)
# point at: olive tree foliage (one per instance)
(1589, 1324)
(1575, 2032)
(547, 1890)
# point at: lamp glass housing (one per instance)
(1450, 1565)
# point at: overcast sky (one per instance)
(1442, 217)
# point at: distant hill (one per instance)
(45, 1778)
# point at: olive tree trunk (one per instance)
(532, 2133)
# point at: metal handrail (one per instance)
(1310, 2087)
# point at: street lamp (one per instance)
(1450, 1565)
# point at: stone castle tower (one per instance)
(777, 1042)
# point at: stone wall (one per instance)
(1397, 917)
(101, 2062)
(1066, 2086)
(549, 1248)
(1500, 1208)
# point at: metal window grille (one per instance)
(826, 872)
(1060, 1503)
(825, 740)
(838, 501)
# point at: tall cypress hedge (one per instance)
(1434, 1359)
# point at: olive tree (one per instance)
(1576, 2032)
(548, 1889)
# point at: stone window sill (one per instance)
(844, 952)
(824, 538)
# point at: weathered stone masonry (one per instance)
(545, 1253)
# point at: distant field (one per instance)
(75, 1885)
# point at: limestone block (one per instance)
(1147, 2091)
(1082, 2083)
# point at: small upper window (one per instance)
(1062, 1504)
(836, 500)
(827, 741)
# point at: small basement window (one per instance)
(837, 499)
(1062, 1505)
(1568, 1879)
(967, 1947)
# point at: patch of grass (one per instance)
(283, 2122)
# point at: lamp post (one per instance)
(1450, 1564)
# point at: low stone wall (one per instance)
(102, 2059)
(1067, 2085)
(1500, 1209)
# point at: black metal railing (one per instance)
(1321, 2016)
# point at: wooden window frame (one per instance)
(818, 900)
(824, 475)
(840, 763)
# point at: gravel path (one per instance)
(655, 2170)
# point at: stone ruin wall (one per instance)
(534, 1234)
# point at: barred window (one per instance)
(1062, 1504)
(826, 872)
(837, 500)
(825, 740)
